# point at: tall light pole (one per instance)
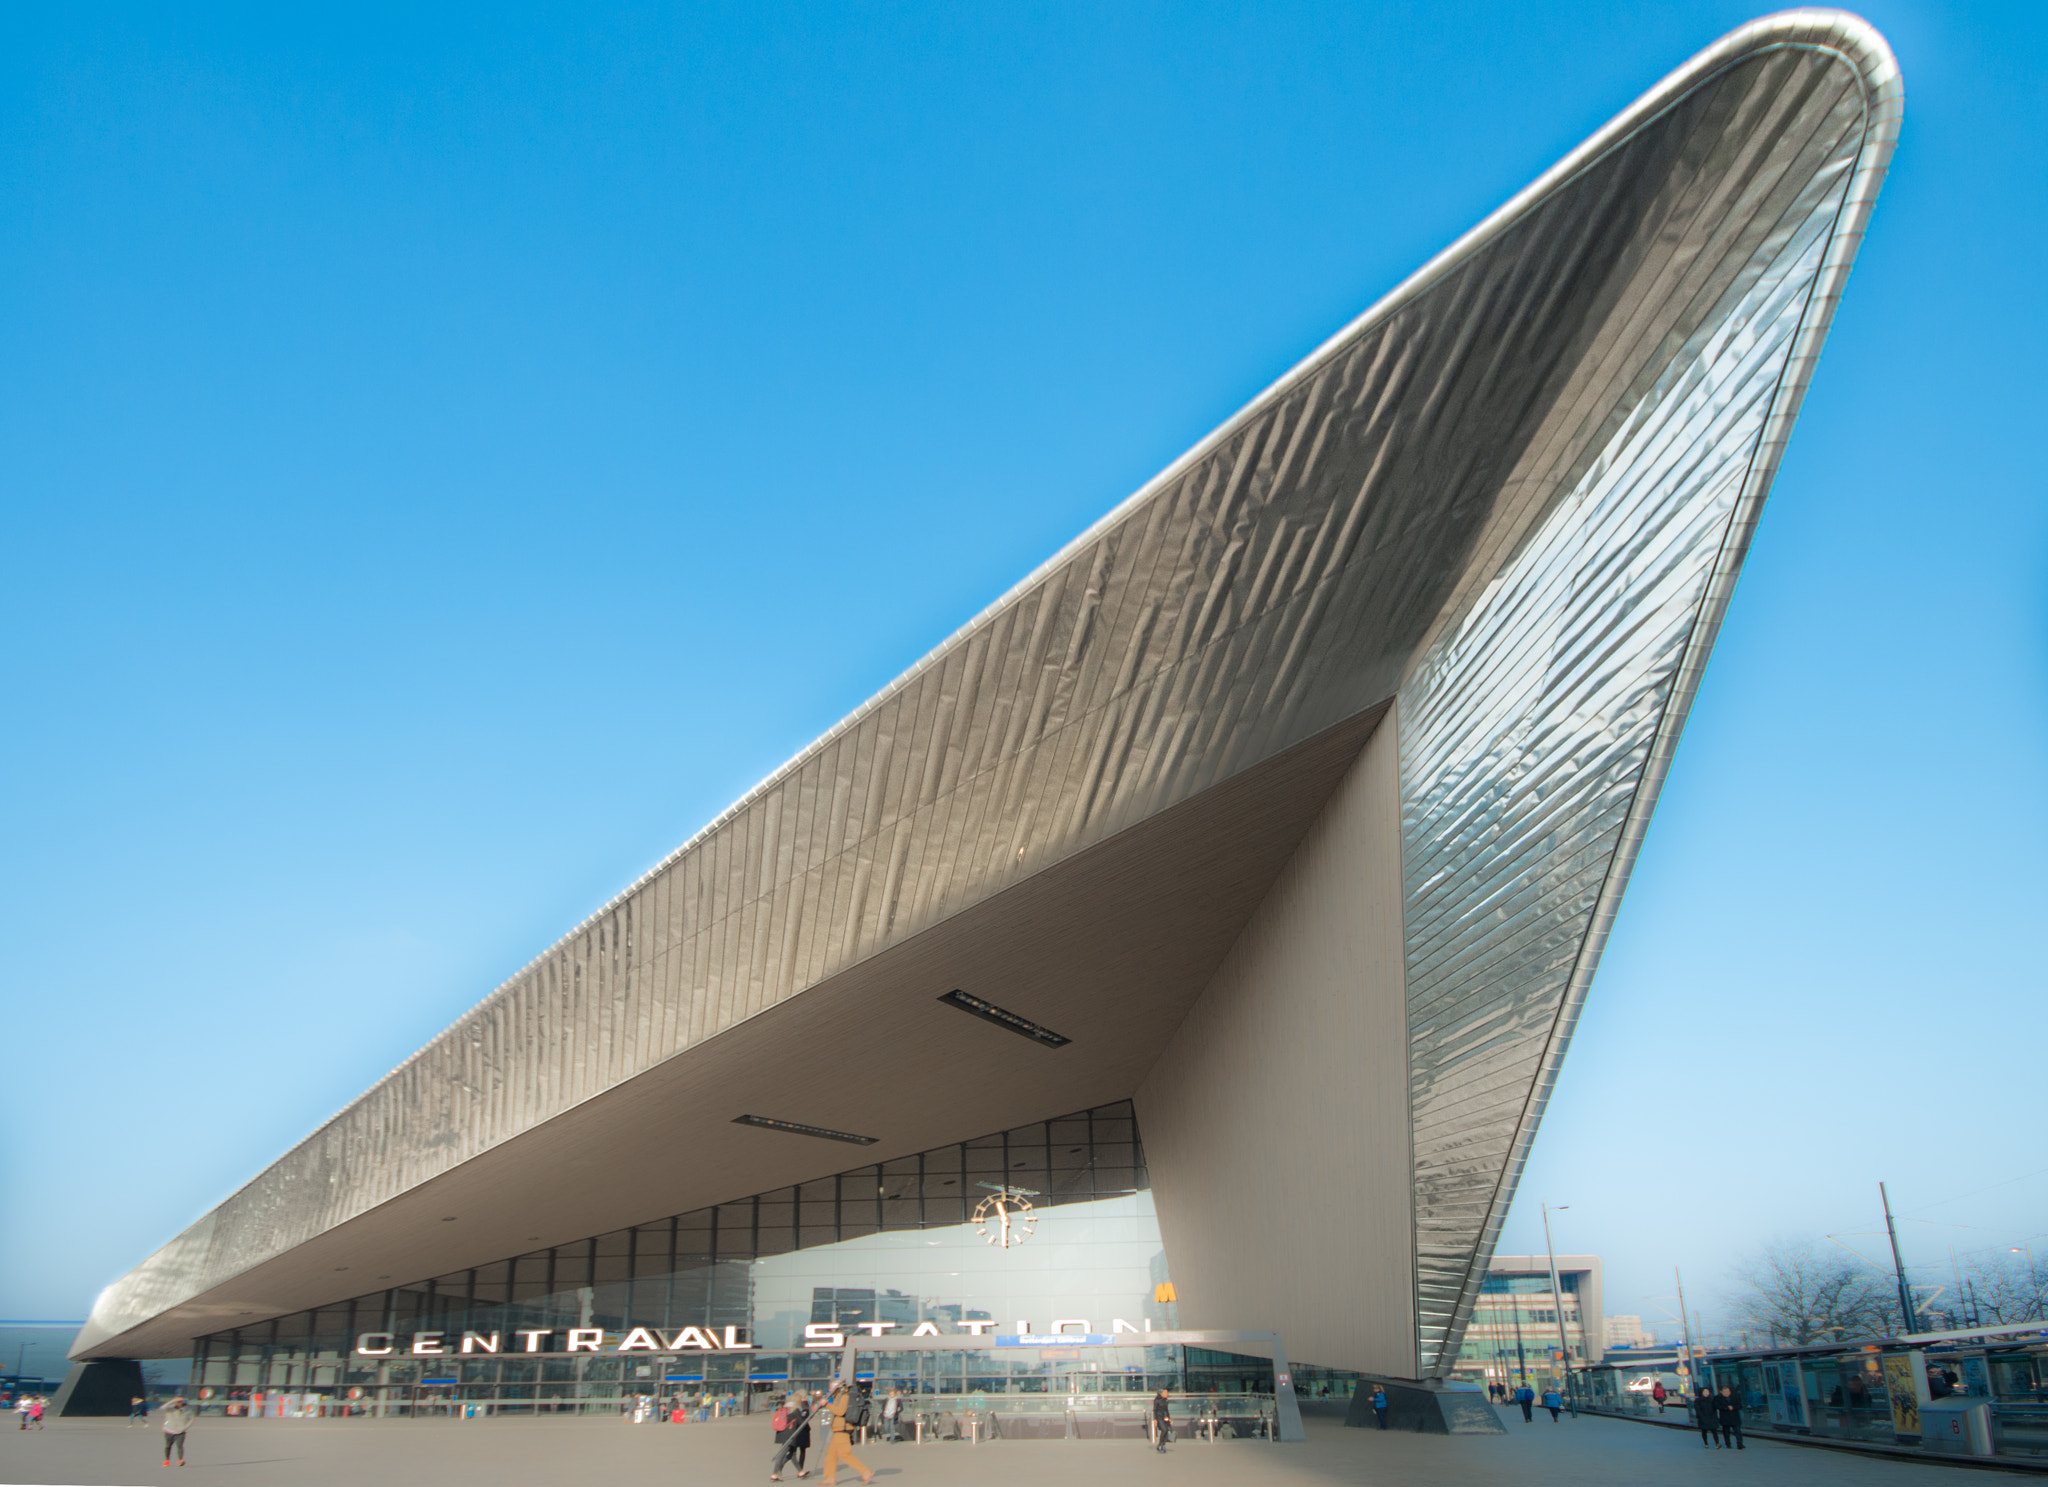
(1557, 1301)
(1692, 1378)
(1521, 1358)
(1909, 1315)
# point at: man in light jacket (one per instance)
(840, 1448)
(175, 1420)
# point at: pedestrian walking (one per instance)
(175, 1420)
(1379, 1405)
(1553, 1401)
(1657, 1393)
(35, 1410)
(1162, 1421)
(21, 1405)
(849, 1412)
(792, 1426)
(138, 1410)
(1526, 1398)
(1728, 1414)
(1706, 1417)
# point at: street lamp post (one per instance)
(1521, 1358)
(1685, 1325)
(1557, 1300)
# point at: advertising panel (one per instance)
(1905, 1381)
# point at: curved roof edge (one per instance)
(1860, 44)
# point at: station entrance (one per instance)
(1088, 1385)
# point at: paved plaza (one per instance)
(348, 1453)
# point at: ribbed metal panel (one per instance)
(1531, 722)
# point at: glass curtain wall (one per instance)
(895, 1241)
(1513, 1334)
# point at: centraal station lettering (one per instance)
(817, 1335)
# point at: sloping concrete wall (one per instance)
(1276, 1121)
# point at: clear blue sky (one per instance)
(450, 453)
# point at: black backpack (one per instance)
(857, 1409)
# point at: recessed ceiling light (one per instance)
(798, 1128)
(1002, 1017)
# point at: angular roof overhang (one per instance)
(1073, 802)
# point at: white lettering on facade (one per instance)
(817, 1335)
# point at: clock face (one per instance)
(1004, 1218)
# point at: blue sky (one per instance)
(452, 452)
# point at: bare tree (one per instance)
(1793, 1294)
(2008, 1291)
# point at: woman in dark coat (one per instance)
(1706, 1416)
(794, 1439)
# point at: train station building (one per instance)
(1193, 940)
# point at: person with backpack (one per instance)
(1657, 1393)
(892, 1418)
(792, 1426)
(849, 1411)
(1526, 1398)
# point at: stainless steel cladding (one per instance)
(1513, 495)
(1539, 722)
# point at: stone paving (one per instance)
(365, 1453)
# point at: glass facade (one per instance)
(1513, 1335)
(917, 1240)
